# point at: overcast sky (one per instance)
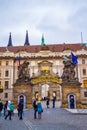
(61, 21)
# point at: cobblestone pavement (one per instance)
(52, 119)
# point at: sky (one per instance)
(61, 21)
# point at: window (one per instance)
(6, 73)
(0, 73)
(6, 84)
(85, 94)
(83, 61)
(84, 71)
(0, 84)
(85, 83)
(0, 62)
(6, 95)
(7, 62)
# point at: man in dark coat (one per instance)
(54, 99)
(35, 109)
(20, 108)
(72, 102)
(1, 106)
(47, 102)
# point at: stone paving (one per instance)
(52, 119)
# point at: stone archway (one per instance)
(71, 101)
(24, 99)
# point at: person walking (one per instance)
(35, 108)
(20, 109)
(54, 99)
(12, 108)
(1, 107)
(5, 108)
(47, 102)
(8, 111)
(39, 109)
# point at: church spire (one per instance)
(26, 39)
(42, 40)
(10, 40)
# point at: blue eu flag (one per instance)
(74, 59)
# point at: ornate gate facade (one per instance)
(47, 85)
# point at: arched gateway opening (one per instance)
(45, 91)
(47, 86)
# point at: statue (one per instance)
(23, 71)
(68, 71)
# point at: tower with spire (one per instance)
(10, 40)
(26, 40)
(42, 40)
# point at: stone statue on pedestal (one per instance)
(23, 72)
(68, 71)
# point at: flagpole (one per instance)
(81, 39)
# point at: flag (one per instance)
(74, 59)
(19, 58)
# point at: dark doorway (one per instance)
(71, 101)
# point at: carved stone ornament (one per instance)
(68, 71)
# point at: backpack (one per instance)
(11, 107)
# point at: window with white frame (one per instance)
(7, 63)
(6, 73)
(0, 83)
(0, 73)
(85, 94)
(83, 61)
(0, 63)
(84, 71)
(6, 84)
(85, 83)
(6, 95)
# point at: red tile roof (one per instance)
(51, 47)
